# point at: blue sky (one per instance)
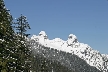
(87, 19)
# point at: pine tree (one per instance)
(6, 36)
(5, 21)
(44, 66)
(22, 26)
(13, 53)
(24, 50)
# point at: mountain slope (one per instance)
(70, 61)
(73, 47)
(41, 63)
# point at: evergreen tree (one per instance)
(24, 50)
(44, 65)
(6, 36)
(22, 26)
(5, 22)
(14, 55)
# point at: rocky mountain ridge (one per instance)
(73, 46)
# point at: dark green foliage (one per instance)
(41, 64)
(13, 53)
(6, 33)
(23, 49)
(5, 22)
(22, 26)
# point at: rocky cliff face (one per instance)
(70, 53)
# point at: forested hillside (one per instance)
(19, 54)
(15, 54)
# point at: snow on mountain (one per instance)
(84, 51)
(105, 56)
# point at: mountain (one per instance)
(71, 53)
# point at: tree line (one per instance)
(15, 51)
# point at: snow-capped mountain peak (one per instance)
(42, 33)
(72, 45)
